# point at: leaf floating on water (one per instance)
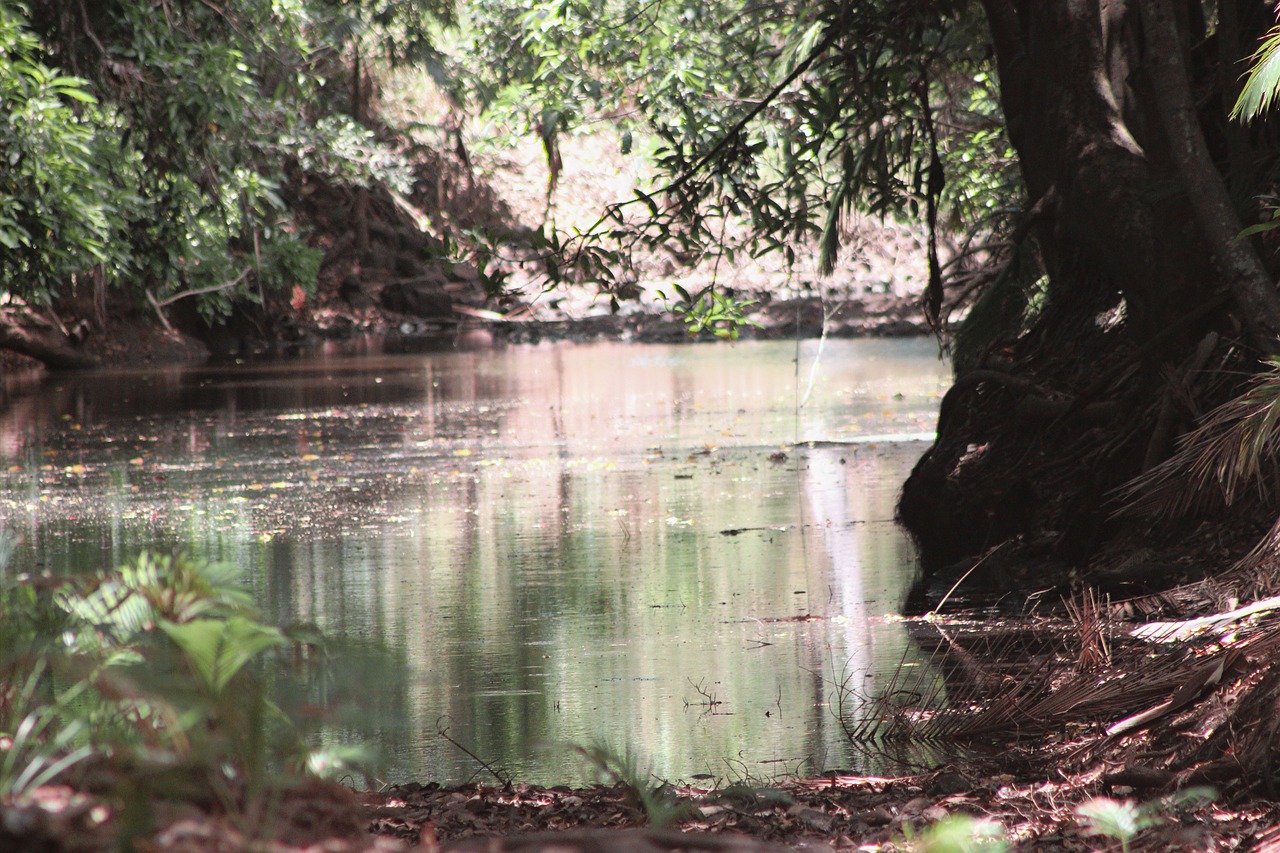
(462, 452)
(137, 460)
(309, 457)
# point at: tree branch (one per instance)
(159, 304)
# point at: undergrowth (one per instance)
(162, 675)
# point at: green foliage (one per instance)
(154, 145)
(57, 209)
(960, 834)
(401, 32)
(783, 119)
(1263, 80)
(165, 656)
(218, 649)
(711, 311)
(1123, 820)
(286, 262)
(35, 756)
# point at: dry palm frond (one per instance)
(1092, 623)
(1141, 686)
(1231, 450)
(1222, 687)
(1185, 629)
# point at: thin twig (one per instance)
(443, 732)
(965, 576)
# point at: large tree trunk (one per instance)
(1136, 235)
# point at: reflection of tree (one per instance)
(558, 581)
(849, 505)
(826, 486)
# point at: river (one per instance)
(678, 551)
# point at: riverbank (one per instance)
(1066, 782)
(1197, 711)
(392, 274)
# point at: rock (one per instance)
(935, 814)
(949, 783)
(1138, 776)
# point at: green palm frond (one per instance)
(1263, 81)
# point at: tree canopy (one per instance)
(149, 145)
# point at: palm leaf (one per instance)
(1263, 81)
(829, 242)
(1227, 454)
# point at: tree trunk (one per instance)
(1239, 267)
(1137, 241)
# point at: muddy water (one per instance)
(676, 550)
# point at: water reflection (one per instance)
(565, 544)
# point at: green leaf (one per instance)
(74, 88)
(217, 649)
(1263, 81)
(648, 201)
(1260, 228)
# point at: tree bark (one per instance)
(1136, 238)
(1239, 266)
(49, 347)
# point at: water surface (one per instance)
(675, 549)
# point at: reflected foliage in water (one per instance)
(676, 548)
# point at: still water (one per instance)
(673, 549)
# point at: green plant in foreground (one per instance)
(1123, 820)
(959, 834)
(625, 768)
(31, 755)
(164, 669)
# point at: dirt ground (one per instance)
(1028, 810)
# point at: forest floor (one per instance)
(1032, 797)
